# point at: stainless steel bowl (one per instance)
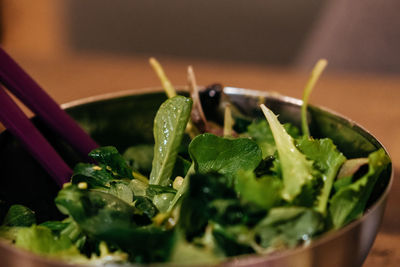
(125, 118)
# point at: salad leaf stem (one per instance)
(228, 121)
(315, 74)
(166, 84)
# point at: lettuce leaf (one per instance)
(327, 160)
(296, 169)
(350, 201)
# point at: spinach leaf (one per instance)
(349, 202)
(296, 169)
(105, 217)
(95, 176)
(116, 164)
(211, 153)
(169, 127)
(264, 192)
(19, 215)
(327, 159)
(95, 212)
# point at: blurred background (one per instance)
(357, 36)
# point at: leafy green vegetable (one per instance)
(229, 240)
(19, 215)
(106, 217)
(113, 161)
(349, 202)
(261, 133)
(122, 191)
(198, 199)
(327, 159)
(264, 191)
(187, 253)
(211, 153)
(169, 127)
(140, 157)
(195, 209)
(96, 213)
(296, 169)
(40, 239)
(287, 226)
(93, 175)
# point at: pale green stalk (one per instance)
(315, 74)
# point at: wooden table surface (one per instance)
(371, 100)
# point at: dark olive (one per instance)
(210, 99)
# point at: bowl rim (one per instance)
(242, 259)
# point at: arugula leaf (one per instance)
(349, 202)
(264, 191)
(116, 164)
(327, 159)
(211, 153)
(169, 127)
(19, 215)
(296, 169)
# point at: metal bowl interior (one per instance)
(124, 119)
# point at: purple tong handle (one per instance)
(15, 79)
(19, 125)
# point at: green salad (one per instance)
(202, 192)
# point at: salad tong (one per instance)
(21, 85)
